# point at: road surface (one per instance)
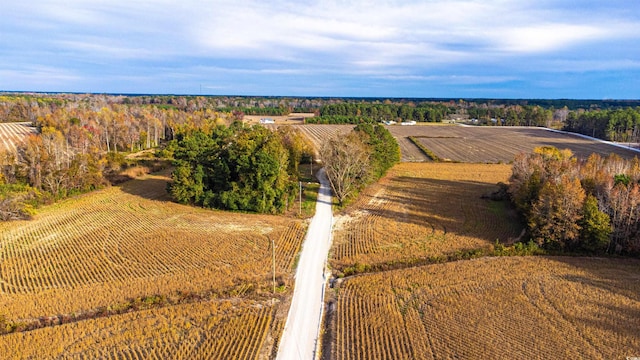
(300, 335)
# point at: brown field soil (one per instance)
(492, 308)
(492, 144)
(421, 211)
(12, 134)
(101, 249)
(291, 119)
(317, 133)
(217, 329)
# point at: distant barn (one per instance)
(267, 121)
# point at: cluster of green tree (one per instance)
(614, 125)
(359, 158)
(238, 168)
(590, 205)
(387, 112)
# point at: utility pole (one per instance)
(300, 184)
(273, 262)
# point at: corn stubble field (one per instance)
(92, 263)
(493, 308)
(99, 252)
(423, 211)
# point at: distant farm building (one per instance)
(267, 121)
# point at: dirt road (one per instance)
(300, 336)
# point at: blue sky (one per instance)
(378, 48)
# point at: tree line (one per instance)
(374, 113)
(622, 125)
(588, 205)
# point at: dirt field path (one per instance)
(301, 331)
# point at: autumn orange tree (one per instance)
(591, 204)
(358, 158)
(346, 162)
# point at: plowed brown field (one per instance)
(492, 144)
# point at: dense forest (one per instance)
(621, 125)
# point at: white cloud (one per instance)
(385, 33)
(358, 38)
(542, 38)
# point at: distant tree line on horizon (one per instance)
(613, 120)
(352, 113)
(621, 125)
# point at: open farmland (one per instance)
(423, 211)
(317, 133)
(97, 252)
(12, 134)
(492, 308)
(492, 144)
(218, 329)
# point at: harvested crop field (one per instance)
(473, 144)
(492, 308)
(423, 211)
(217, 329)
(492, 144)
(100, 250)
(317, 134)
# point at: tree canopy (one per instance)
(237, 168)
(590, 205)
(354, 160)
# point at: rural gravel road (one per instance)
(300, 335)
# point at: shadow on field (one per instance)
(452, 206)
(618, 276)
(151, 187)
